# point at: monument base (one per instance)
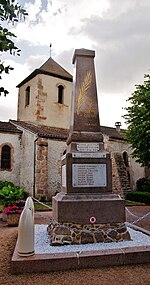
(92, 218)
(70, 233)
(76, 208)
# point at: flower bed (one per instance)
(13, 212)
(13, 219)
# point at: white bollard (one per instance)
(30, 205)
(26, 230)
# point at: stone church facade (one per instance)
(31, 147)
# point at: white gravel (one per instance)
(42, 242)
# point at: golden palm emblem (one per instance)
(83, 90)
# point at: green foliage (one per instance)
(10, 193)
(43, 199)
(10, 11)
(5, 183)
(138, 120)
(143, 185)
(143, 197)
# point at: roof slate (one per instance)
(113, 133)
(8, 127)
(58, 133)
(51, 68)
(43, 131)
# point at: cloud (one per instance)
(117, 30)
(35, 61)
(8, 112)
(122, 44)
(53, 23)
(34, 10)
(65, 59)
(8, 104)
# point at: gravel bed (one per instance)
(42, 242)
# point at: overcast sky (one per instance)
(118, 31)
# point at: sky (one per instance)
(118, 31)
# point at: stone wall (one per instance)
(27, 113)
(55, 152)
(41, 98)
(120, 176)
(48, 167)
(135, 169)
(27, 161)
(13, 140)
(44, 107)
(41, 168)
(70, 233)
(116, 184)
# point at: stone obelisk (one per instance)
(85, 125)
(86, 210)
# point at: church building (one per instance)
(31, 147)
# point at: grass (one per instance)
(133, 203)
(40, 207)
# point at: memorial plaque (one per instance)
(89, 155)
(87, 147)
(64, 175)
(89, 175)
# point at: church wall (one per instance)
(41, 168)
(13, 141)
(44, 107)
(136, 171)
(55, 151)
(27, 113)
(27, 161)
(53, 113)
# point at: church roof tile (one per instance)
(113, 133)
(8, 127)
(58, 133)
(50, 68)
(43, 131)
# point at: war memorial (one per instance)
(85, 212)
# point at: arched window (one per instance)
(125, 158)
(6, 157)
(27, 96)
(60, 94)
(126, 162)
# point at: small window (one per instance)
(126, 162)
(60, 94)
(125, 158)
(6, 157)
(27, 96)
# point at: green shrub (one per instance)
(11, 193)
(43, 199)
(5, 183)
(143, 197)
(143, 185)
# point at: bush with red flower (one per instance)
(17, 208)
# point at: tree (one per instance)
(138, 121)
(10, 12)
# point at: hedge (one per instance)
(143, 185)
(143, 197)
